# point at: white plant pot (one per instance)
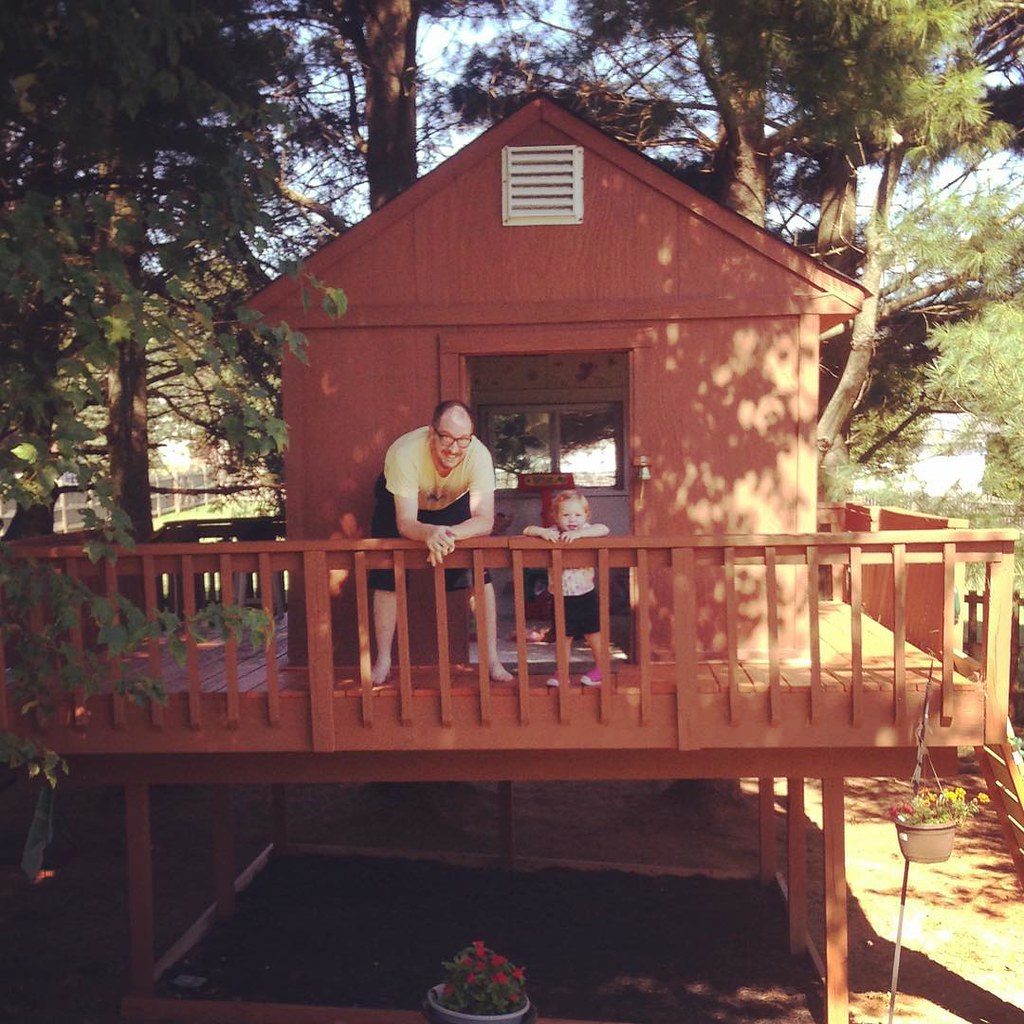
(442, 1013)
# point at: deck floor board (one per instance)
(836, 666)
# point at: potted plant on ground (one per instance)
(479, 985)
(927, 822)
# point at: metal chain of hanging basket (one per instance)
(915, 782)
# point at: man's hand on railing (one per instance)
(440, 542)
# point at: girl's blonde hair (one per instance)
(563, 496)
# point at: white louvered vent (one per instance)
(542, 185)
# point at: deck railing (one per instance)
(706, 609)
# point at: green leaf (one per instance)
(25, 451)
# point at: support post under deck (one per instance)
(769, 859)
(139, 848)
(279, 818)
(796, 864)
(224, 867)
(506, 824)
(837, 993)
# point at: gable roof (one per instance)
(543, 109)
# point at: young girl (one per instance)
(571, 512)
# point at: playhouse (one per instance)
(604, 322)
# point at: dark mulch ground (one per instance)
(597, 945)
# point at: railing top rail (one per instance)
(881, 540)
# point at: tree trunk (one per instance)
(837, 224)
(834, 245)
(128, 437)
(389, 67)
(835, 419)
(742, 163)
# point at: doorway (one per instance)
(563, 414)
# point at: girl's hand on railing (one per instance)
(544, 533)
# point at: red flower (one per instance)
(470, 978)
(448, 989)
(519, 974)
(497, 961)
(501, 978)
(478, 947)
(513, 997)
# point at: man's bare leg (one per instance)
(385, 619)
(499, 674)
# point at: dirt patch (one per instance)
(598, 944)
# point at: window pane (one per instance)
(589, 445)
(520, 443)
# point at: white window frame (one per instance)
(486, 411)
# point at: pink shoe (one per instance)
(592, 678)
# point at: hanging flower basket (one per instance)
(926, 823)
(930, 843)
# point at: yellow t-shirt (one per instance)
(410, 471)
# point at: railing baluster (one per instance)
(227, 599)
(684, 608)
(774, 670)
(522, 655)
(814, 632)
(265, 575)
(948, 625)
(79, 713)
(482, 651)
(363, 631)
(732, 634)
(404, 657)
(156, 712)
(195, 686)
(643, 615)
(320, 650)
(444, 660)
(561, 641)
(899, 633)
(114, 663)
(605, 619)
(856, 639)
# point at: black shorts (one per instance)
(582, 615)
(385, 524)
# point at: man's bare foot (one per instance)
(381, 671)
(500, 674)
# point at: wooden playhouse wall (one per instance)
(723, 364)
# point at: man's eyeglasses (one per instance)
(449, 441)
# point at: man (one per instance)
(438, 488)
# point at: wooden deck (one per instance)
(793, 675)
(617, 715)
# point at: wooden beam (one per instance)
(223, 850)
(837, 992)
(767, 848)
(999, 622)
(796, 864)
(500, 765)
(139, 848)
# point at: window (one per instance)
(585, 440)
